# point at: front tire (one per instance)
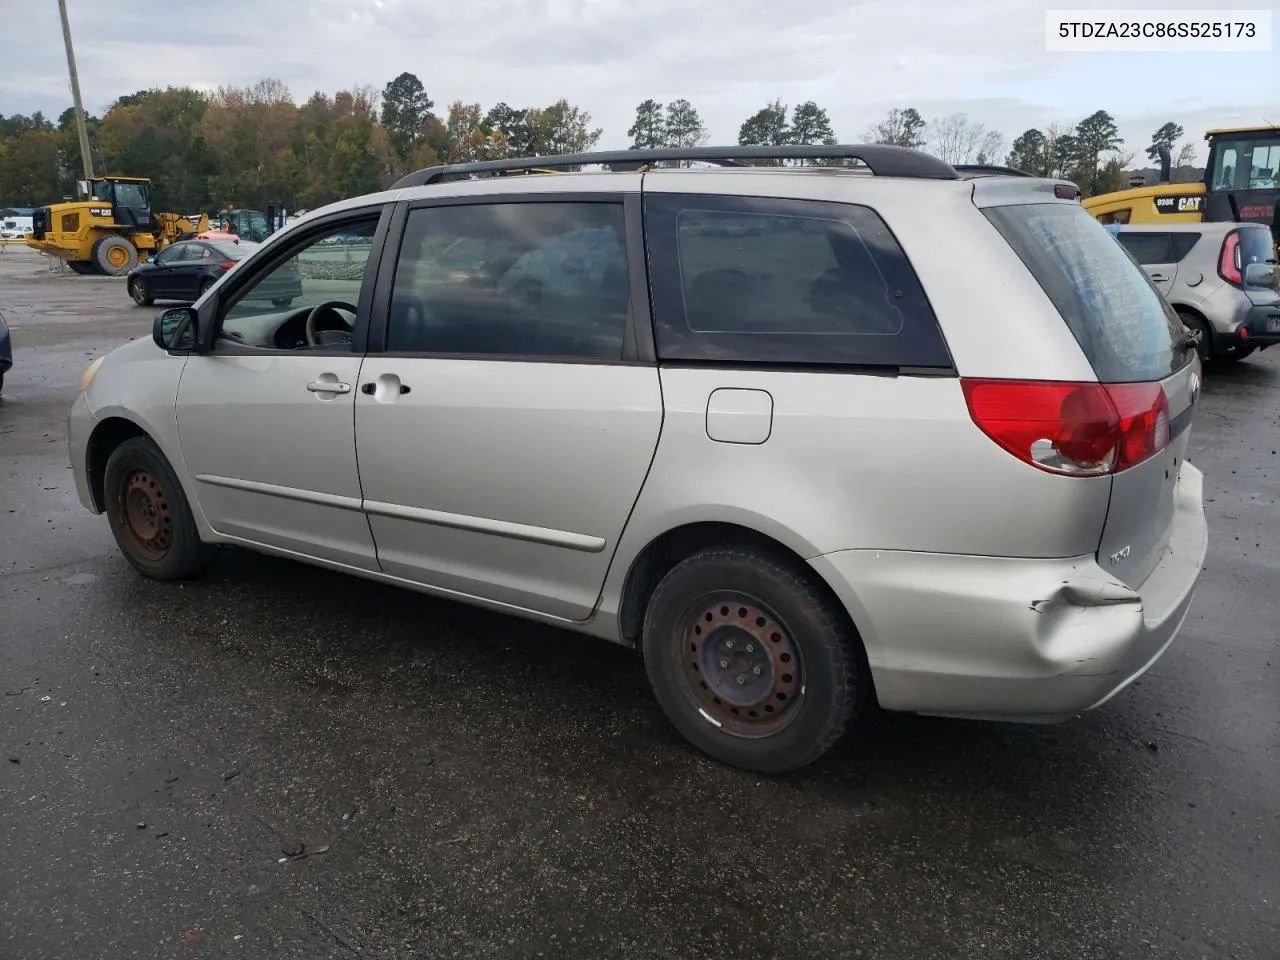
(149, 514)
(752, 660)
(138, 290)
(115, 256)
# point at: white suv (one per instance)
(808, 437)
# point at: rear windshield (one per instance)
(234, 251)
(1256, 245)
(1125, 328)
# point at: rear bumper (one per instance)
(1016, 639)
(1257, 326)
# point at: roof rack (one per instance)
(970, 170)
(883, 160)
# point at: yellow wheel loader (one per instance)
(110, 228)
(1241, 185)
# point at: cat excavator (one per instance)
(1241, 185)
(110, 227)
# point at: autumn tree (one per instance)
(650, 128)
(900, 128)
(955, 138)
(767, 127)
(811, 125)
(405, 110)
(991, 149)
(683, 126)
(1093, 136)
(514, 126)
(561, 128)
(1168, 134)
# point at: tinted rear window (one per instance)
(234, 251)
(1255, 245)
(743, 279)
(1125, 328)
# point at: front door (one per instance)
(162, 281)
(505, 432)
(265, 418)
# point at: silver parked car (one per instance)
(809, 437)
(1221, 278)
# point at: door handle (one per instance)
(328, 386)
(371, 388)
(1158, 276)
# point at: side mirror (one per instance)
(1262, 275)
(175, 330)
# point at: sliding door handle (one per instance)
(328, 386)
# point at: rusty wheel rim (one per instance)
(145, 515)
(740, 666)
(117, 257)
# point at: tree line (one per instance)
(250, 146)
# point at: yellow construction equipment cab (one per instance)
(1241, 184)
(110, 227)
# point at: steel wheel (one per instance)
(147, 519)
(742, 670)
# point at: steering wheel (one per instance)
(317, 338)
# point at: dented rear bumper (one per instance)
(1016, 639)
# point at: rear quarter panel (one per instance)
(855, 462)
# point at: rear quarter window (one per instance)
(1256, 245)
(1125, 328)
(741, 279)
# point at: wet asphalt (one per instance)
(461, 784)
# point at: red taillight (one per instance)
(1229, 260)
(1075, 429)
(226, 264)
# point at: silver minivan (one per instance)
(809, 437)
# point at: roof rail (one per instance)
(970, 170)
(883, 160)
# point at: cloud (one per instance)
(857, 58)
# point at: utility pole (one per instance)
(75, 93)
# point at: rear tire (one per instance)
(282, 302)
(115, 256)
(752, 660)
(205, 284)
(83, 268)
(149, 514)
(138, 290)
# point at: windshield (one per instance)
(1246, 163)
(1123, 325)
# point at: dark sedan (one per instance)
(183, 271)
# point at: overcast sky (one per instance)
(856, 58)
